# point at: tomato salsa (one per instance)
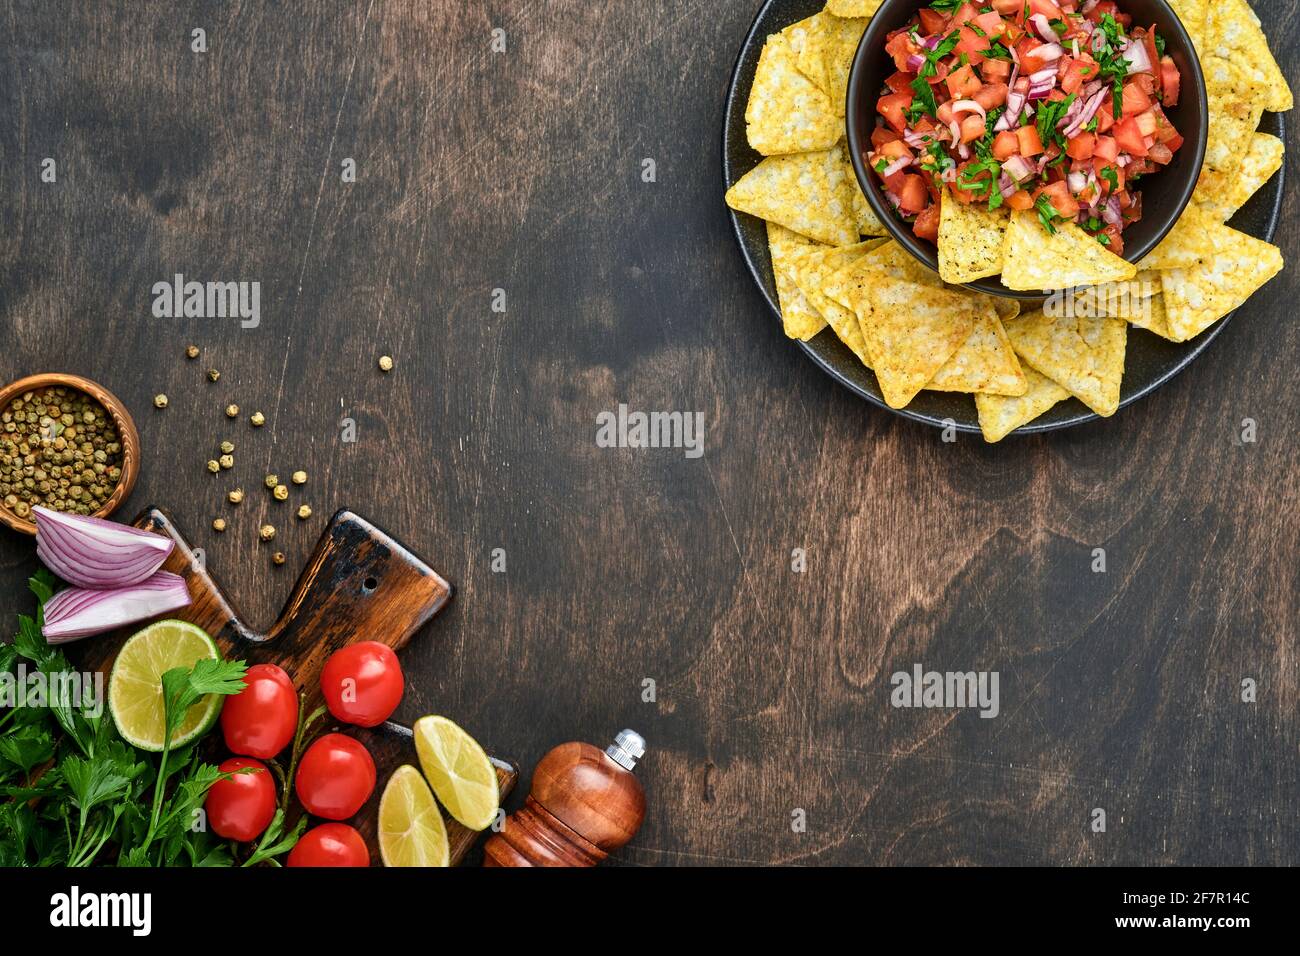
(1050, 105)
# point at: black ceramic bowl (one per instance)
(1164, 194)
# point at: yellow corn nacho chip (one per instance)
(1001, 415)
(869, 223)
(1223, 193)
(1234, 267)
(786, 112)
(970, 241)
(985, 362)
(1137, 301)
(1186, 242)
(801, 320)
(807, 38)
(830, 53)
(1035, 259)
(1192, 14)
(816, 270)
(853, 8)
(1236, 106)
(1233, 32)
(806, 192)
(1154, 318)
(1086, 356)
(910, 329)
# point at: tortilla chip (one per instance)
(830, 52)
(1000, 415)
(1234, 267)
(911, 329)
(1233, 32)
(1035, 259)
(853, 8)
(1154, 317)
(869, 223)
(1192, 14)
(1186, 242)
(807, 38)
(970, 241)
(1134, 301)
(786, 112)
(1236, 106)
(802, 321)
(1086, 356)
(985, 362)
(1223, 193)
(807, 192)
(818, 268)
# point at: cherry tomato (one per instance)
(330, 844)
(362, 683)
(261, 719)
(242, 807)
(335, 777)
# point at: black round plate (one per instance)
(1150, 360)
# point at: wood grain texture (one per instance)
(359, 584)
(522, 172)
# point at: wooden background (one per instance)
(521, 171)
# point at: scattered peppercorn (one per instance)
(213, 375)
(191, 351)
(227, 461)
(60, 449)
(236, 496)
(232, 411)
(304, 512)
(281, 492)
(266, 532)
(214, 466)
(271, 481)
(299, 477)
(219, 525)
(278, 557)
(160, 401)
(258, 419)
(227, 447)
(385, 363)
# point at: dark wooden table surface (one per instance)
(522, 171)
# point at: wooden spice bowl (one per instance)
(126, 431)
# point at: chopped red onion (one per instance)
(1077, 182)
(1018, 168)
(969, 106)
(1049, 52)
(897, 166)
(1006, 186)
(1043, 27)
(1086, 114)
(1136, 55)
(93, 553)
(915, 62)
(1111, 212)
(80, 612)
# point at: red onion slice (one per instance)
(897, 166)
(80, 612)
(1136, 55)
(969, 106)
(1043, 28)
(1018, 168)
(1111, 212)
(1049, 52)
(93, 553)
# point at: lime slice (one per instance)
(135, 697)
(459, 771)
(411, 831)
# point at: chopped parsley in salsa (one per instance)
(1049, 105)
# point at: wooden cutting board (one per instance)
(360, 584)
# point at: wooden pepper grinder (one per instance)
(584, 803)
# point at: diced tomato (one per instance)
(882, 135)
(1160, 153)
(1103, 179)
(1153, 55)
(1174, 143)
(991, 23)
(895, 149)
(891, 107)
(1170, 81)
(965, 13)
(972, 128)
(932, 21)
(1130, 138)
(1106, 114)
(1077, 72)
(991, 96)
(1008, 7)
(1030, 144)
(1135, 100)
(972, 44)
(1031, 62)
(927, 223)
(900, 82)
(1097, 13)
(901, 47)
(913, 196)
(1020, 200)
(996, 71)
(1058, 194)
(1082, 146)
(1005, 145)
(963, 83)
(1147, 124)
(979, 184)
(1116, 239)
(1047, 8)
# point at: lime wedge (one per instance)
(411, 831)
(458, 770)
(135, 697)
